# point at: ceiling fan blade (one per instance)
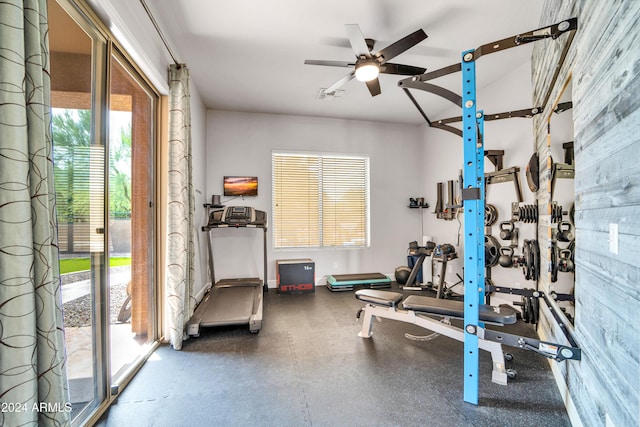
(329, 63)
(374, 86)
(356, 39)
(404, 70)
(344, 80)
(395, 49)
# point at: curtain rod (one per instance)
(155, 24)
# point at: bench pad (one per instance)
(386, 298)
(503, 314)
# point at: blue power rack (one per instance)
(473, 192)
(473, 204)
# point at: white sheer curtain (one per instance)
(181, 208)
(33, 378)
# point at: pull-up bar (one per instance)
(419, 82)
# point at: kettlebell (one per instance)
(564, 232)
(564, 261)
(506, 230)
(506, 256)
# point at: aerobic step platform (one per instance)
(347, 282)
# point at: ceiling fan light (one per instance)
(367, 71)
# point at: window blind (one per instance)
(320, 200)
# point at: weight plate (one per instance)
(572, 248)
(572, 214)
(554, 262)
(533, 173)
(526, 255)
(526, 315)
(535, 249)
(535, 306)
(491, 251)
(490, 215)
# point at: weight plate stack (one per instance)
(556, 213)
(530, 308)
(535, 307)
(527, 214)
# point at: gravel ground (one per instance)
(77, 312)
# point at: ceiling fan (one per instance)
(368, 65)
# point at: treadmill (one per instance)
(232, 301)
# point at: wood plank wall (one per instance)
(604, 66)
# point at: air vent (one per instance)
(323, 94)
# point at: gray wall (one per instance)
(604, 62)
(242, 143)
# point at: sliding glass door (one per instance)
(131, 217)
(104, 117)
(79, 153)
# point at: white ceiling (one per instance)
(249, 55)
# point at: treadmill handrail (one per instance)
(260, 224)
(210, 227)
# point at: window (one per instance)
(320, 200)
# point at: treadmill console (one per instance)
(237, 216)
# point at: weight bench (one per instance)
(421, 310)
(418, 309)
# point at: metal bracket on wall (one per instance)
(568, 152)
(506, 175)
(495, 157)
(563, 106)
(561, 171)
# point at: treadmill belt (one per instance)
(230, 306)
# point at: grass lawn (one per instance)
(71, 265)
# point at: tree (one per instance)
(120, 171)
(71, 159)
(72, 164)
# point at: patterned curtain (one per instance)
(181, 208)
(33, 380)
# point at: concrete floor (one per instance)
(308, 367)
